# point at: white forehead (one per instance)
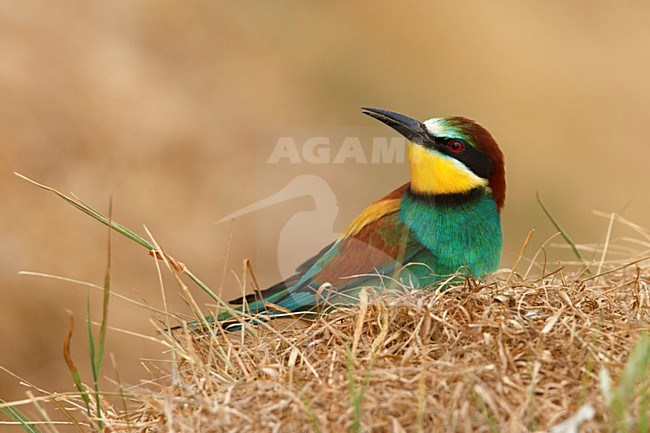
(440, 127)
(436, 126)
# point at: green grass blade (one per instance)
(357, 392)
(485, 410)
(311, 416)
(73, 369)
(93, 213)
(636, 368)
(93, 359)
(125, 232)
(18, 416)
(91, 339)
(92, 350)
(563, 233)
(643, 410)
(635, 371)
(356, 399)
(99, 357)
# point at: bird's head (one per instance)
(449, 155)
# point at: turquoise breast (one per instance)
(461, 232)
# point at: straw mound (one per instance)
(518, 356)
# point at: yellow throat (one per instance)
(435, 173)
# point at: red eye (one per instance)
(455, 146)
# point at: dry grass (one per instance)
(522, 355)
(511, 354)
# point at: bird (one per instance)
(446, 221)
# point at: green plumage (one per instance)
(464, 235)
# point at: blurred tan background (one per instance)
(166, 106)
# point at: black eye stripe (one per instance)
(474, 159)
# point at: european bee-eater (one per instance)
(445, 221)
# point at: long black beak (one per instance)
(412, 129)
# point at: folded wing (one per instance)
(372, 249)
